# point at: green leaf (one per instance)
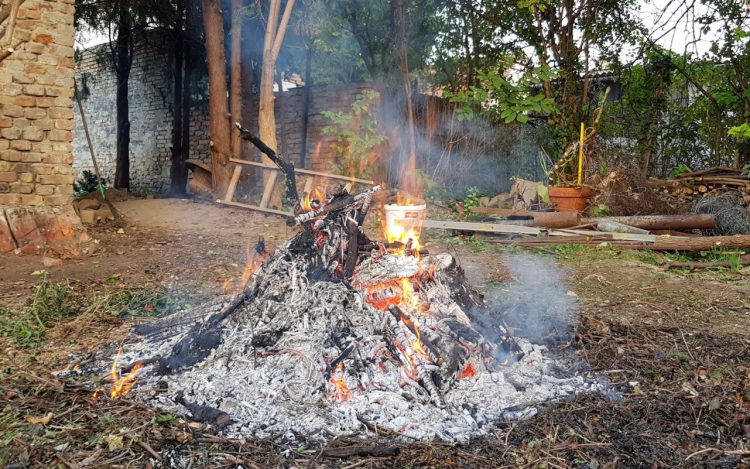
(543, 193)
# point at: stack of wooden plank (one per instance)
(657, 232)
(687, 188)
(717, 176)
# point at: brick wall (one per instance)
(36, 117)
(320, 154)
(151, 99)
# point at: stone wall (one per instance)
(36, 118)
(151, 102)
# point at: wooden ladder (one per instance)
(270, 184)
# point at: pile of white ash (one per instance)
(335, 333)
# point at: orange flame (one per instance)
(306, 203)
(401, 234)
(122, 385)
(397, 234)
(340, 392)
(408, 297)
(254, 260)
(417, 344)
(249, 266)
(316, 194)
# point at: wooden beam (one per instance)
(268, 190)
(469, 226)
(233, 183)
(308, 184)
(255, 207)
(305, 171)
(505, 212)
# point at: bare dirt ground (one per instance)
(675, 345)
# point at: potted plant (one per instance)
(565, 178)
(564, 184)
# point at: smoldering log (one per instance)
(336, 205)
(203, 413)
(350, 451)
(430, 348)
(204, 336)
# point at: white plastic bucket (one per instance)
(401, 219)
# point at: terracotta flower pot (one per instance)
(569, 199)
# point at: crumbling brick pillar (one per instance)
(36, 122)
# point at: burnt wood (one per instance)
(350, 451)
(203, 413)
(287, 169)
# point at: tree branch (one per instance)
(286, 168)
(279, 38)
(8, 36)
(5, 11)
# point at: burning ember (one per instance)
(334, 328)
(121, 385)
(340, 391)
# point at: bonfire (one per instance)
(334, 332)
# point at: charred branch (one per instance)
(339, 204)
(351, 451)
(287, 169)
(203, 413)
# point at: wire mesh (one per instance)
(732, 217)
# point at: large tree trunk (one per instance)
(267, 120)
(217, 104)
(235, 77)
(266, 117)
(124, 60)
(282, 115)
(306, 106)
(655, 113)
(409, 176)
(178, 171)
(190, 60)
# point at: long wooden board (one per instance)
(528, 230)
(255, 207)
(306, 171)
(486, 227)
(270, 185)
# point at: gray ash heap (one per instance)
(334, 333)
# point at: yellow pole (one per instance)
(580, 157)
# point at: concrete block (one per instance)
(88, 216)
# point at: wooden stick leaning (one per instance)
(112, 208)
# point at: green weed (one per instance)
(55, 303)
(647, 256)
(49, 305)
(678, 355)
